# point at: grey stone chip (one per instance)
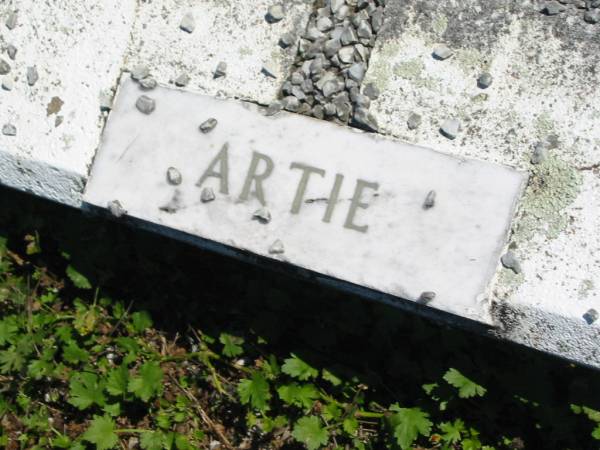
(277, 248)
(182, 80)
(174, 176)
(414, 121)
(426, 297)
(11, 50)
(188, 23)
(148, 83)
(9, 129)
(140, 72)
(450, 128)
(540, 153)
(207, 195)
(275, 13)
(485, 80)
(208, 125)
(221, 70)
(7, 83)
(4, 67)
(145, 104)
(11, 20)
(442, 52)
(591, 316)
(510, 261)
(262, 215)
(32, 75)
(429, 200)
(116, 209)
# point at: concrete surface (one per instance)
(384, 238)
(545, 77)
(544, 89)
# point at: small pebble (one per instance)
(484, 81)
(414, 121)
(335, 5)
(182, 80)
(9, 130)
(592, 16)
(207, 195)
(11, 20)
(105, 98)
(4, 67)
(174, 176)
(277, 248)
(11, 50)
(540, 153)
(116, 209)
(145, 104)
(591, 316)
(269, 71)
(348, 36)
(429, 200)
(275, 13)
(371, 91)
(262, 215)
(365, 120)
(450, 128)
(286, 40)
(208, 125)
(442, 52)
(357, 72)
(140, 72)
(291, 103)
(188, 24)
(7, 84)
(426, 298)
(553, 8)
(32, 75)
(510, 261)
(148, 83)
(273, 108)
(221, 70)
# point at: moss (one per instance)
(439, 24)
(469, 60)
(553, 186)
(413, 70)
(544, 124)
(245, 51)
(585, 288)
(380, 71)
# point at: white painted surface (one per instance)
(76, 59)
(406, 249)
(234, 32)
(545, 83)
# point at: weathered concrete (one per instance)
(543, 90)
(76, 59)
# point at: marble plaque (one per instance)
(356, 207)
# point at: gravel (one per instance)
(277, 248)
(592, 17)
(174, 176)
(442, 52)
(32, 75)
(140, 72)
(332, 61)
(275, 13)
(262, 215)
(116, 209)
(11, 50)
(207, 195)
(510, 261)
(540, 153)
(414, 121)
(208, 125)
(221, 70)
(145, 104)
(11, 20)
(9, 129)
(450, 128)
(484, 81)
(429, 200)
(591, 316)
(553, 8)
(4, 67)
(273, 108)
(188, 24)
(286, 40)
(148, 83)
(182, 80)
(7, 84)
(426, 297)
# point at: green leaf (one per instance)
(113, 409)
(309, 431)
(148, 383)
(102, 433)
(74, 354)
(350, 425)
(466, 387)
(8, 329)
(297, 368)
(38, 368)
(303, 396)
(152, 440)
(86, 390)
(117, 381)
(596, 433)
(231, 345)
(141, 321)
(11, 360)
(408, 424)
(78, 279)
(255, 391)
(61, 441)
(452, 431)
(329, 376)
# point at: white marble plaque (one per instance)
(348, 205)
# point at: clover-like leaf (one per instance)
(101, 433)
(310, 432)
(466, 388)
